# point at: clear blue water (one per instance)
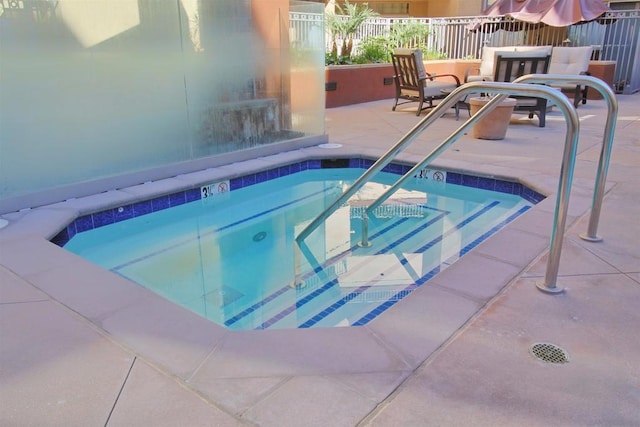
(233, 258)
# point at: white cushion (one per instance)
(488, 58)
(547, 49)
(570, 60)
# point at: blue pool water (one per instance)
(231, 256)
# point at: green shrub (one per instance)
(378, 49)
(373, 50)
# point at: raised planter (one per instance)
(354, 84)
(605, 71)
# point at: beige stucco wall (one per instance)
(438, 8)
(433, 8)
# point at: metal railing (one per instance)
(617, 39)
(502, 90)
(553, 263)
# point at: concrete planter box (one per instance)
(354, 84)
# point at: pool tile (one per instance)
(62, 238)
(142, 208)
(103, 218)
(295, 167)
(454, 178)
(248, 180)
(486, 183)
(283, 171)
(393, 168)
(504, 187)
(517, 188)
(273, 174)
(262, 177)
(235, 183)
(355, 163)
(84, 223)
(192, 195)
(314, 164)
(123, 212)
(470, 181)
(160, 203)
(177, 199)
(366, 163)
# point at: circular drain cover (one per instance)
(259, 236)
(549, 353)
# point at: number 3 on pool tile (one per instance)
(214, 190)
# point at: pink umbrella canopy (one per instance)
(555, 13)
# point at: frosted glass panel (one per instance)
(307, 50)
(96, 88)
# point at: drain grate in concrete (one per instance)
(549, 353)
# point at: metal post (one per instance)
(607, 142)
(365, 243)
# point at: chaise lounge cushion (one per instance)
(571, 61)
(487, 64)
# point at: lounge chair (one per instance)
(570, 61)
(414, 84)
(510, 66)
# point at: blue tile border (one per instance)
(110, 216)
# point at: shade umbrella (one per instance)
(555, 13)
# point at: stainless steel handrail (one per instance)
(607, 141)
(502, 90)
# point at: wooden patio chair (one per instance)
(414, 84)
(510, 66)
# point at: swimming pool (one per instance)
(227, 250)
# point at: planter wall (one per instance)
(354, 84)
(604, 70)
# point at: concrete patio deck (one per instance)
(82, 346)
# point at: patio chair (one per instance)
(509, 66)
(570, 61)
(414, 84)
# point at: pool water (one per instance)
(232, 257)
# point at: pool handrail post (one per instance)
(609, 96)
(364, 242)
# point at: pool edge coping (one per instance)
(223, 335)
